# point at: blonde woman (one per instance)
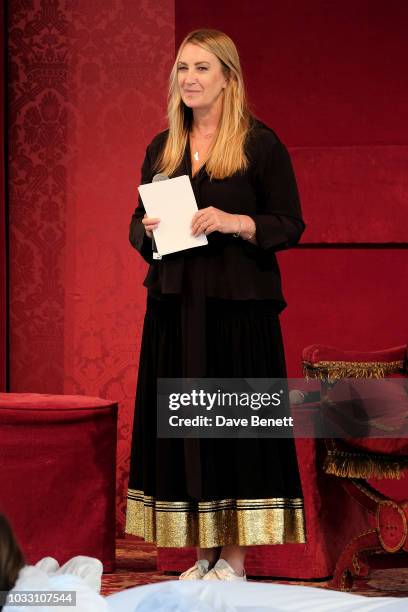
(214, 311)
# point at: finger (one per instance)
(198, 225)
(198, 216)
(203, 227)
(210, 229)
(150, 220)
(202, 212)
(199, 213)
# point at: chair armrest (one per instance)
(330, 363)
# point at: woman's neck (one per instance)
(206, 120)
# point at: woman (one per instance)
(213, 312)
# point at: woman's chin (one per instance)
(196, 105)
(191, 104)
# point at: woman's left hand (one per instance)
(210, 219)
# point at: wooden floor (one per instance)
(136, 565)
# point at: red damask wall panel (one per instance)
(39, 158)
(3, 246)
(88, 88)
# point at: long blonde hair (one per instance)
(227, 153)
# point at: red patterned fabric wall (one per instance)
(3, 247)
(88, 85)
(39, 158)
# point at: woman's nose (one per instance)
(190, 78)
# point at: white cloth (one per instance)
(198, 596)
(79, 574)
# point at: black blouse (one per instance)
(231, 267)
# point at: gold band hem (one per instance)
(246, 522)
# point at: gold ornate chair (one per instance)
(373, 471)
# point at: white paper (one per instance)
(173, 202)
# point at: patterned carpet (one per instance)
(136, 565)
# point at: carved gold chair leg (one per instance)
(352, 563)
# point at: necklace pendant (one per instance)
(196, 156)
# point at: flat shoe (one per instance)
(223, 571)
(199, 569)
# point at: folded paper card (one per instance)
(173, 202)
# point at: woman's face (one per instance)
(200, 77)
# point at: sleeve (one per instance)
(279, 223)
(137, 235)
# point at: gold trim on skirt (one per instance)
(206, 524)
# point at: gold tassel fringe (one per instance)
(335, 370)
(356, 465)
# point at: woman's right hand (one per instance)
(150, 224)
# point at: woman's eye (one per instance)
(200, 68)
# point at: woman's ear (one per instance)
(227, 75)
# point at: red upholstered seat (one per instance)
(321, 356)
(373, 471)
(57, 478)
(333, 365)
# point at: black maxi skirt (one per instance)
(250, 488)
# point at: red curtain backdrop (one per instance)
(87, 92)
(88, 84)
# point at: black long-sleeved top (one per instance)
(231, 267)
(227, 267)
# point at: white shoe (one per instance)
(223, 571)
(199, 569)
